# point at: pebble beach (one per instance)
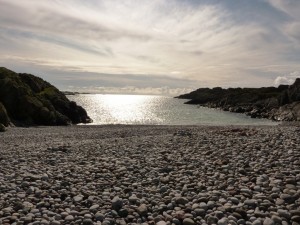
(156, 175)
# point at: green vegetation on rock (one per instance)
(29, 100)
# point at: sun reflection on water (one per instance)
(124, 109)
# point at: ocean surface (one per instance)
(159, 110)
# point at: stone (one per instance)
(2, 128)
(268, 221)
(87, 222)
(142, 210)
(133, 199)
(161, 223)
(181, 200)
(212, 220)
(296, 219)
(55, 222)
(28, 219)
(123, 213)
(94, 208)
(116, 203)
(78, 198)
(284, 213)
(250, 202)
(256, 222)
(188, 221)
(223, 221)
(99, 216)
(287, 198)
(69, 218)
(276, 219)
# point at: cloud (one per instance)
(287, 79)
(289, 7)
(163, 91)
(211, 43)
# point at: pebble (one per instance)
(116, 203)
(69, 218)
(188, 221)
(150, 175)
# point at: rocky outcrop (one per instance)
(281, 103)
(29, 100)
(4, 119)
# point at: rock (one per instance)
(44, 104)
(287, 198)
(282, 103)
(268, 221)
(295, 212)
(276, 219)
(116, 203)
(2, 128)
(161, 223)
(181, 200)
(250, 202)
(284, 213)
(87, 222)
(69, 218)
(4, 119)
(212, 220)
(256, 222)
(123, 213)
(28, 219)
(142, 210)
(99, 216)
(296, 219)
(223, 221)
(188, 221)
(94, 208)
(78, 198)
(133, 199)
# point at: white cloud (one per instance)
(290, 7)
(207, 43)
(287, 79)
(164, 91)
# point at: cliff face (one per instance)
(27, 100)
(280, 103)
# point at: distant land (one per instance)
(280, 104)
(70, 93)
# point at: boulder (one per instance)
(29, 100)
(4, 119)
(289, 112)
(2, 128)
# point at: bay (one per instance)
(156, 110)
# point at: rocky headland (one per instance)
(281, 103)
(150, 175)
(27, 100)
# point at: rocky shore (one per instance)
(150, 175)
(276, 103)
(28, 100)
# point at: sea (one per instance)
(107, 109)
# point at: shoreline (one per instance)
(150, 174)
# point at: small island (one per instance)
(280, 104)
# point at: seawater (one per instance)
(156, 110)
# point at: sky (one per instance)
(163, 47)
